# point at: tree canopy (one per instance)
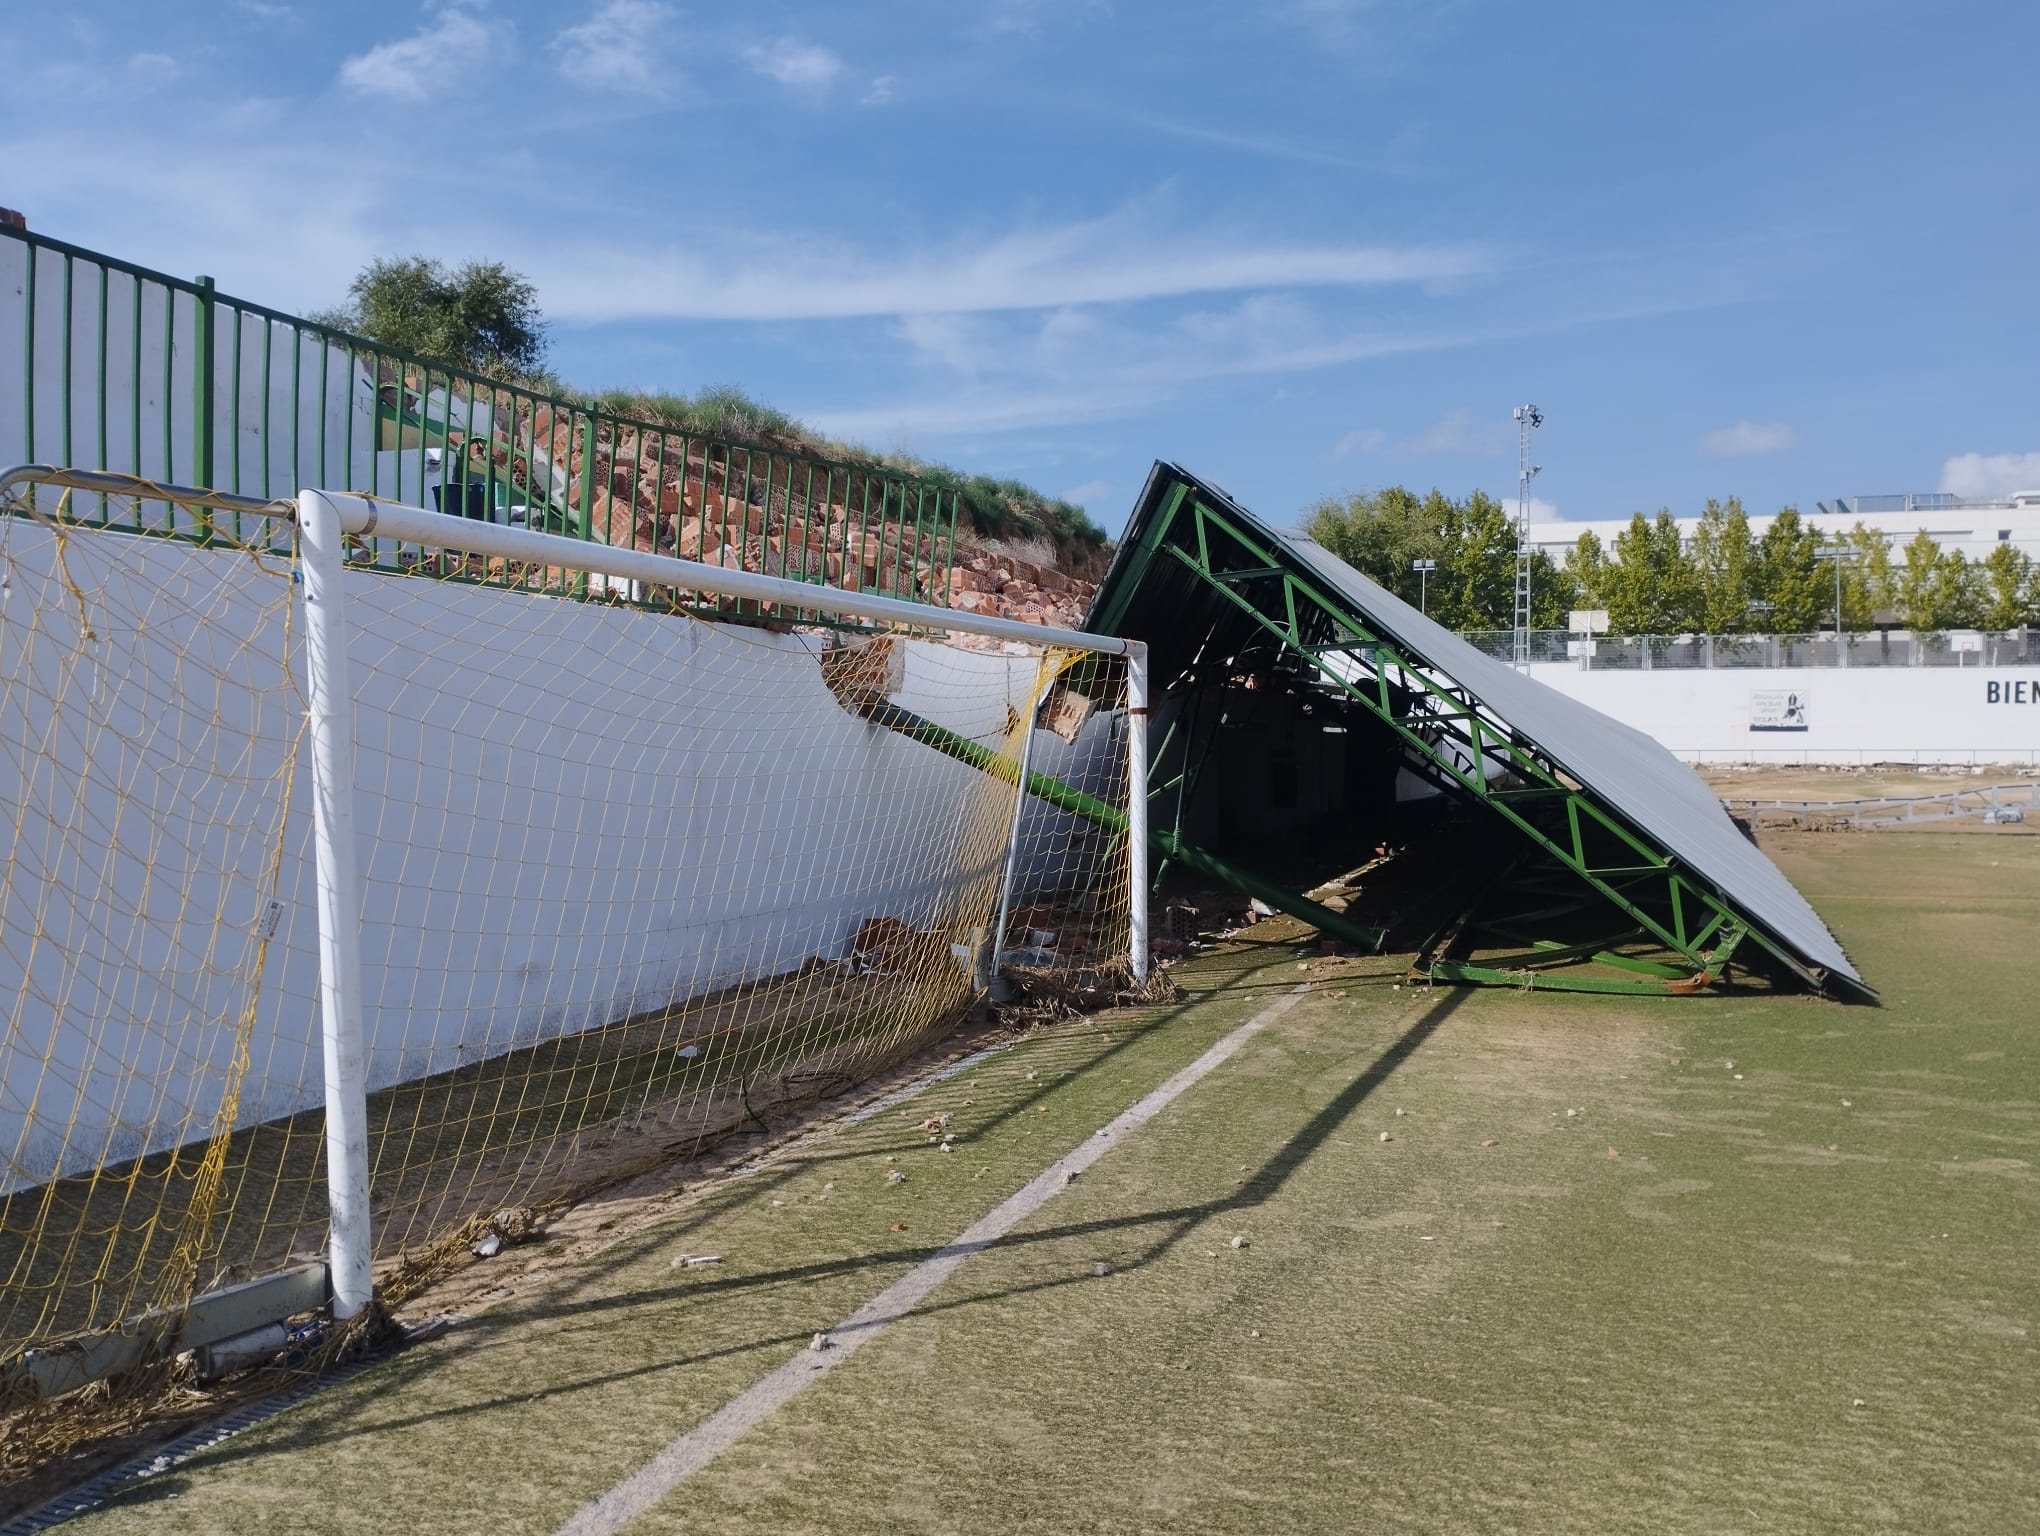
(479, 316)
(1722, 580)
(1382, 533)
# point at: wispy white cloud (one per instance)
(882, 92)
(1360, 440)
(798, 65)
(1125, 257)
(409, 68)
(1266, 146)
(1984, 475)
(1748, 438)
(622, 46)
(1459, 433)
(264, 9)
(1090, 491)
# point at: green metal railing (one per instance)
(107, 365)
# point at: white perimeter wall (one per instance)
(567, 814)
(1853, 715)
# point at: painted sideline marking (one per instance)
(687, 1455)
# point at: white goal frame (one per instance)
(326, 520)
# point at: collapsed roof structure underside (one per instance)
(1306, 719)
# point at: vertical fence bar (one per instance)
(29, 255)
(202, 396)
(332, 729)
(1137, 808)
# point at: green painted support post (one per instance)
(202, 398)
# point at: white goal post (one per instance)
(326, 521)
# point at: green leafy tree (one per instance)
(480, 316)
(2008, 588)
(1869, 584)
(1552, 594)
(1478, 568)
(1789, 576)
(1917, 592)
(1723, 560)
(1379, 533)
(1587, 569)
(1958, 592)
(1651, 589)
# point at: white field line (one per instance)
(690, 1452)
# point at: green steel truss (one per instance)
(1451, 735)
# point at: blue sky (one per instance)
(1781, 250)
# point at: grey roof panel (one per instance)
(1616, 763)
(1629, 769)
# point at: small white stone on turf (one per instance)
(819, 1342)
(1239, 1242)
(1386, 1137)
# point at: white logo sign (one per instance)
(1778, 710)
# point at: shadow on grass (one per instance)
(1176, 1223)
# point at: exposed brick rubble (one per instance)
(814, 531)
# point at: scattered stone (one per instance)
(1491, 1142)
(490, 1245)
(1855, 1402)
(829, 1187)
(688, 1052)
(945, 1147)
(1030, 1077)
(1738, 1077)
(1847, 1105)
(1239, 1242)
(898, 1226)
(1069, 1177)
(1427, 1239)
(894, 1176)
(1570, 1113)
(778, 1202)
(1728, 1066)
(696, 1260)
(1613, 1153)
(1386, 1137)
(1253, 1333)
(1400, 1113)
(1098, 1269)
(819, 1342)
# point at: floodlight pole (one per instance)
(322, 547)
(1835, 554)
(1528, 420)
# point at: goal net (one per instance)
(630, 880)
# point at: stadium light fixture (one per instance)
(1423, 568)
(1836, 555)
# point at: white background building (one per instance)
(1973, 527)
